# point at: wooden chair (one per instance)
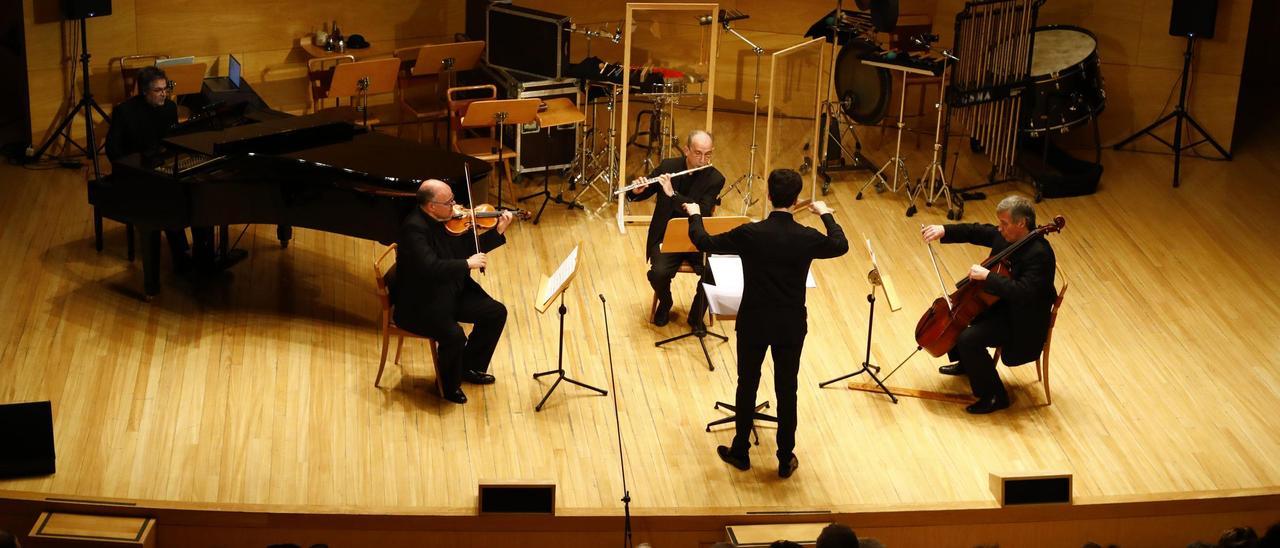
(92, 186)
(419, 96)
(1042, 361)
(483, 148)
(387, 326)
(129, 66)
(320, 75)
(685, 268)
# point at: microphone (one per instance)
(602, 297)
(617, 34)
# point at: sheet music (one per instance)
(557, 280)
(725, 297)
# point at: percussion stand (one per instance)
(936, 186)
(833, 113)
(609, 172)
(750, 176)
(899, 165)
(1178, 116)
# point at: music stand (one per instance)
(720, 302)
(496, 113)
(444, 61)
(881, 280)
(676, 240)
(551, 287)
(362, 78)
(560, 111)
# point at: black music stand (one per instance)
(676, 240)
(553, 286)
(876, 279)
(560, 111)
(1178, 116)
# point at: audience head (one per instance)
(837, 535)
(1272, 537)
(784, 187)
(1238, 537)
(152, 85)
(8, 540)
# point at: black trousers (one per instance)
(457, 352)
(971, 353)
(786, 371)
(662, 269)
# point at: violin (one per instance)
(484, 217)
(949, 315)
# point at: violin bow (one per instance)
(475, 233)
(933, 256)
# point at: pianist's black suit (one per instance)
(776, 254)
(138, 127)
(1018, 322)
(432, 290)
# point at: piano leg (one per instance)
(150, 237)
(284, 233)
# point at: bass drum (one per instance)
(1066, 80)
(863, 90)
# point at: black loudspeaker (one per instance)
(84, 9)
(1193, 18)
(27, 431)
(15, 115)
(504, 497)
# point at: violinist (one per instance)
(432, 288)
(700, 187)
(1019, 321)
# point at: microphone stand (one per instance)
(750, 176)
(622, 460)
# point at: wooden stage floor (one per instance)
(256, 387)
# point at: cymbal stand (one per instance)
(933, 183)
(898, 164)
(750, 177)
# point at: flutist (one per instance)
(700, 187)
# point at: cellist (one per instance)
(1019, 321)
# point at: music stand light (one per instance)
(496, 114)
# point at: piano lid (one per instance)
(392, 160)
(271, 135)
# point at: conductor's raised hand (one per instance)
(505, 221)
(692, 208)
(932, 233)
(820, 208)
(479, 260)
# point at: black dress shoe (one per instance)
(951, 369)
(477, 377)
(785, 469)
(663, 314)
(741, 463)
(455, 395)
(988, 405)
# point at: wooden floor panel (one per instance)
(255, 387)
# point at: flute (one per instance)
(646, 181)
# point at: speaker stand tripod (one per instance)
(86, 103)
(1179, 115)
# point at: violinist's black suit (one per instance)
(432, 290)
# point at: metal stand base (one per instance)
(559, 370)
(734, 417)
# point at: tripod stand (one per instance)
(899, 165)
(1179, 115)
(88, 104)
(750, 176)
(933, 183)
(874, 278)
(559, 370)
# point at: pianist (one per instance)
(433, 289)
(137, 127)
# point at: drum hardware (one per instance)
(933, 183)
(897, 162)
(1179, 115)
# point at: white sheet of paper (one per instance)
(727, 270)
(558, 277)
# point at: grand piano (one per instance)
(319, 171)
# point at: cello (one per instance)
(949, 315)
